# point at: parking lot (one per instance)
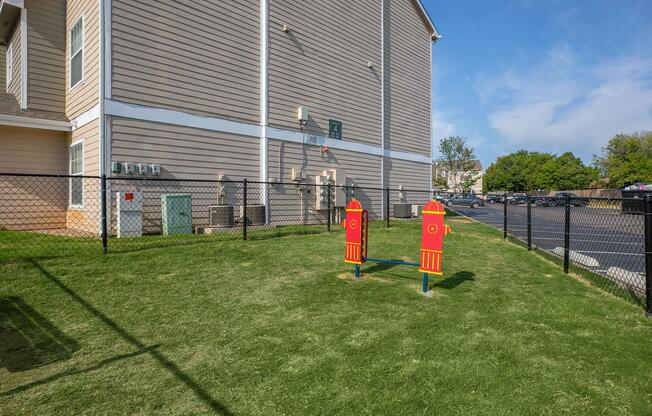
(602, 239)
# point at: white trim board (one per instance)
(178, 118)
(86, 117)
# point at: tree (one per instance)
(456, 162)
(626, 159)
(530, 171)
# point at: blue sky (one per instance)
(546, 75)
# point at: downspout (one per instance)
(432, 130)
(101, 127)
(23, 59)
(382, 102)
(264, 103)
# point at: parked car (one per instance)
(494, 199)
(441, 196)
(469, 200)
(518, 198)
(559, 199)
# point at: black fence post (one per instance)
(387, 204)
(648, 255)
(505, 216)
(328, 214)
(567, 233)
(529, 223)
(103, 214)
(244, 209)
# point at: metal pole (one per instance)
(505, 216)
(387, 204)
(244, 209)
(103, 213)
(648, 255)
(425, 283)
(357, 272)
(567, 233)
(328, 214)
(529, 223)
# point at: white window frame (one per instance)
(9, 67)
(81, 173)
(70, 55)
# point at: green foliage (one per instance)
(456, 162)
(529, 171)
(626, 159)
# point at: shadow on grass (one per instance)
(455, 280)
(162, 360)
(28, 340)
(73, 372)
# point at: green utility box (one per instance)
(176, 214)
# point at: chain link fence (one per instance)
(603, 240)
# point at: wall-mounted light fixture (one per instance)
(302, 116)
(285, 29)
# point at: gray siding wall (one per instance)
(412, 175)
(86, 95)
(321, 63)
(24, 150)
(3, 67)
(46, 35)
(407, 78)
(362, 170)
(200, 57)
(184, 153)
(15, 86)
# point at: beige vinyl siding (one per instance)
(87, 217)
(412, 175)
(183, 153)
(361, 169)
(85, 95)
(46, 35)
(407, 78)
(15, 86)
(43, 201)
(90, 134)
(321, 63)
(200, 57)
(3, 68)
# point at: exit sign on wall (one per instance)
(334, 129)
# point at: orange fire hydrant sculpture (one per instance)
(357, 229)
(432, 236)
(433, 231)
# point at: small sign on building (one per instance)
(334, 129)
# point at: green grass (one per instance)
(278, 327)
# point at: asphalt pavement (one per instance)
(602, 239)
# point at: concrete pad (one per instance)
(578, 258)
(631, 280)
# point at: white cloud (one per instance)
(441, 127)
(563, 105)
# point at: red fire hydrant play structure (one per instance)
(432, 236)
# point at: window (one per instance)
(10, 65)
(77, 53)
(76, 168)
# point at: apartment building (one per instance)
(256, 89)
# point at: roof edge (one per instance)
(34, 123)
(435, 33)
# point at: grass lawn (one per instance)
(278, 327)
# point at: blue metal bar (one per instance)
(404, 263)
(357, 272)
(425, 282)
